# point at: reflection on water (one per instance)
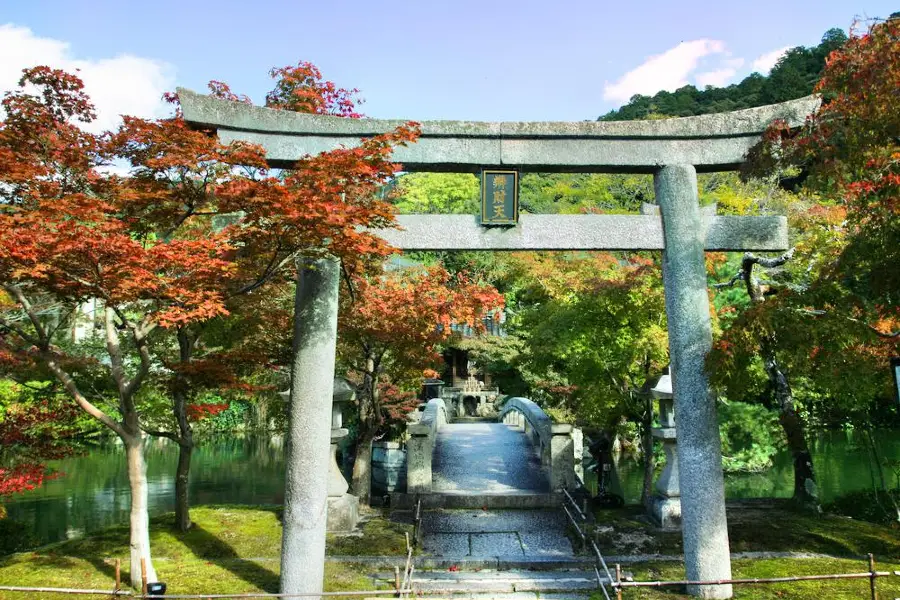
(250, 470)
(841, 464)
(94, 492)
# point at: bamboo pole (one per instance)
(143, 576)
(618, 581)
(866, 575)
(118, 574)
(873, 577)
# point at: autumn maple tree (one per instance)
(147, 247)
(34, 429)
(389, 327)
(829, 308)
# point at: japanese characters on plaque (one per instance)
(499, 197)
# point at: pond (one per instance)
(94, 493)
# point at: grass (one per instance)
(235, 549)
(770, 528)
(888, 587)
(773, 527)
(230, 549)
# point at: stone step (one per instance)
(477, 500)
(574, 595)
(500, 581)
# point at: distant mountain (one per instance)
(793, 76)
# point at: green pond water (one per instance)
(93, 493)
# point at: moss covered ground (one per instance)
(235, 549)
(764, 528)
(770, 527)
(230, 549)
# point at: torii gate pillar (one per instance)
(704, 527)
(309, 426)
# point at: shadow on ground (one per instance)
(207, 546)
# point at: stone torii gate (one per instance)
(673, 150)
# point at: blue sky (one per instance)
(422, 60)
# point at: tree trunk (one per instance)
(362, 466)
(140, 522)
(182, 479)
(647, 443)
(805, 489)
(180, 394)
(368, 428)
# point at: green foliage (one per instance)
(565, 193)
(874, 506)
(501, 356)
(435, 193)
(235, 418)
(15, 537)
(794, 76)
(751, 435)
(594, 330)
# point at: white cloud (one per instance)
(764, 63)
(124, 84)
(666, 71)
(717, 77)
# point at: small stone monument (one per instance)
(343, 508)
(665, 505)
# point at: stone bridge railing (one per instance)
(553, 441)
(420, 447)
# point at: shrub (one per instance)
(751, 436)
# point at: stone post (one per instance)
(562, 457)
(309, 430)
(705, 531)
(418, 459)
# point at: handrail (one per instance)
(568, 499)
(417, 519)
(574, 505)
(534, 414)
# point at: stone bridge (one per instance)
(521, 459)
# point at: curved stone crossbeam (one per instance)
(713, 142)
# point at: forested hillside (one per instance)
(793, 76)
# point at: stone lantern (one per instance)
(343, 508)
(665, 504)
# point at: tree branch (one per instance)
(19, 331)
(83, 402)
(17, 293)
(819, 312)
(163, 434)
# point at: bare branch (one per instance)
(739, 276)
(270, 270)
(768, 263)
(113, 348)
(19, 331)
(163, 434)
(17, 293)
(83, 402)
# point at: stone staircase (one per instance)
(505, 585)
(498, 553)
